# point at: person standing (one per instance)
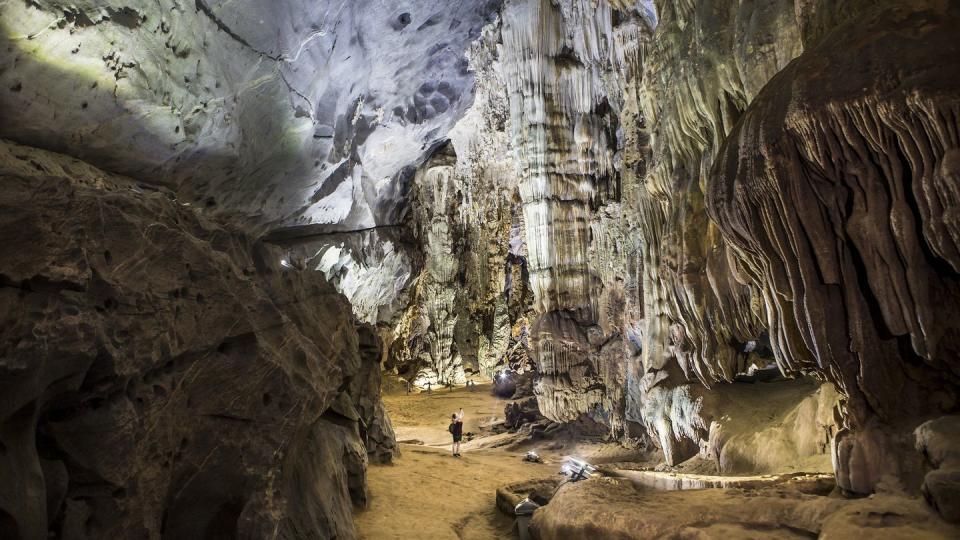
(456, 429)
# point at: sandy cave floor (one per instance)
(427, 493)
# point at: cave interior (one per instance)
(254, 254)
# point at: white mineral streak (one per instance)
(372, 285)
(567, 69)
(553, 87)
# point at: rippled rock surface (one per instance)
(836, 195)
(801, 208)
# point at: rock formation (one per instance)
(295, 117)
(683, 203)
(566, 78)
(616, 509)
(846, 233)
(468, 311)
(164, 375)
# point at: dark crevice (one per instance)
(202, 7)
(41, 284)
(335, 417)
(232, 417)
(292, 234)
(297, 92)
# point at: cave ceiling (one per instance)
(290, 114)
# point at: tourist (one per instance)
(456, 429)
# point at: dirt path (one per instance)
(427, 493)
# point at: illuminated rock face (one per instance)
(294, 117)
(665, 201)
(848, 235)
(292, 113)
(802, 204)
(165, 375)
(663, 239)
(704, 64)
(436, 286)
(568, 66)
(468, 306)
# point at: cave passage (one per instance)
(427, 489)
(690, 268)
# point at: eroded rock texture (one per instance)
(613, 508)
(292, 112)
(836, 196)
(469, 307)
(706, 62)
(710, 198)
(641, 320)
(725, 228)
(163, 375)
(802, 205)
(568, 66)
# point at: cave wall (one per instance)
(848, 229)
(660, 204)
(707, 60)
(469, 306)
(291, 113)
(567, 107)
(796, 198)
(521, 214)
(568, 68)
(690, 226)
(162, 375)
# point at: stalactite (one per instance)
(825, 201)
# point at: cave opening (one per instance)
(549, 269)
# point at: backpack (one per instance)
(450, 428)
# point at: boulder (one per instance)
(164, 374)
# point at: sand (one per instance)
(428, 494)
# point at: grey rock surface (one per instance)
(939, 442)
(288, 113)
(163, 375)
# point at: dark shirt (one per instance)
(458, 428)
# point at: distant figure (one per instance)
(407, 384)
(471, 385)
(456, 429)
(429, 391)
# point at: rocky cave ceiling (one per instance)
(286, 114)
